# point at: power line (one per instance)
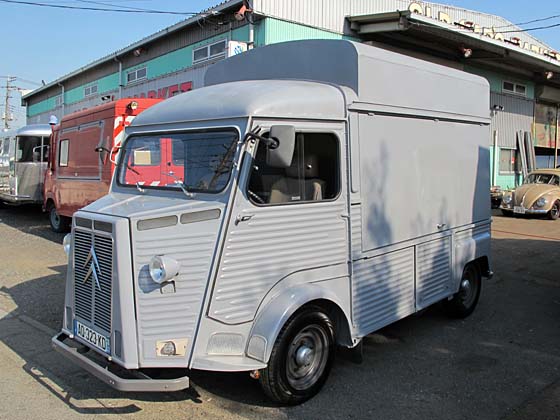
(114, 6)
(529, 29)
(528, 22)
(97, 9)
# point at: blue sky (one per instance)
(44, 43)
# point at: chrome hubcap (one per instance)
(468, 288)
(304, 356)
(307, 357)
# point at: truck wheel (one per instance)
(301, 358)
(59, 224)
(465, 300)
(554, 212)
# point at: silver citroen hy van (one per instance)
(312, 193)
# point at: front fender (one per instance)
(273, 316)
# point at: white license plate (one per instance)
(519, 210)
(92, 337)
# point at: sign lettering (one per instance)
(419, 8)
(166, 92)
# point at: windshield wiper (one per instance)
(179, 183)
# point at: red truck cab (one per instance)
(82, 157)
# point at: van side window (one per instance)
(63, 153)
(313, 175)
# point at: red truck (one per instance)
(82, 157)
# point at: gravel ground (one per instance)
(501, 363)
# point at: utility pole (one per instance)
(6, 116)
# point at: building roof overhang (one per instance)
(412, 30)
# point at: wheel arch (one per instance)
(278, 311)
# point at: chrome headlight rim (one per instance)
(507, 199)
(163, 268)
(541, 202)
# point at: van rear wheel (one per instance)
(465, 300)
(59, 224)
(301, 358)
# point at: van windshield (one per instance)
(196, 161)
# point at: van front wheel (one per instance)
(59, 224)
(301, 358)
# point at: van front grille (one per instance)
(93, 273)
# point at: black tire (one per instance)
(506, 213)
(59, 224)
(301, 358)
(554, 212)
(465, 300)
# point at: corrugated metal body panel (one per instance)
(172, 312)
(383, 290)
(330, 14)
(356, 220)
(433, 272)
(518, 114)
(276, 242)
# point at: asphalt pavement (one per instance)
(503, 362)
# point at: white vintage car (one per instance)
(539, 194)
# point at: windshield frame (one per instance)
(120, 166)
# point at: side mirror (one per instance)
(280, 154)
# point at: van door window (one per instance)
(63, 153)
(313, 175)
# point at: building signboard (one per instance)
(490, 32)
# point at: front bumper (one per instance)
(139, 382)
(527, 211)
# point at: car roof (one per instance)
(547, 171)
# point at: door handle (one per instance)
(442, 226)
(244, 218)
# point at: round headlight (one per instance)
(507, 199)
(67, 243)
(163, 268)
(541, 202)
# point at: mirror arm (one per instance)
(271, 142)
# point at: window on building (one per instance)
(58, 100)
(90, 90)
(508, 161)
(210, 51)
(63, 153)
(135, 75)
(514, 88)
(313, 175)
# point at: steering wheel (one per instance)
(256, 197)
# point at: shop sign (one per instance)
(166, 92)
(419, 8)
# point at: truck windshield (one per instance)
(196, 161)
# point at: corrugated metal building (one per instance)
(524, 73)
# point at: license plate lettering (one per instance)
(92, 337)
(519, 210)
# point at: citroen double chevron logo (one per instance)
(94, 269)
